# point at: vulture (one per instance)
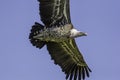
(58, 34)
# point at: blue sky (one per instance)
(19, 60)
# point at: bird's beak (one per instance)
(83, 34)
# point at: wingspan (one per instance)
(67, 55)
(54, 12)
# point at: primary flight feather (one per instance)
(58, 35)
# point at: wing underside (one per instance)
(67, 55)
(54, 12)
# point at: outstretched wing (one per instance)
(68, 57)
(66, 54)
(54, 12)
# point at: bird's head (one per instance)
(75, 33)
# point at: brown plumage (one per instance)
(64, 53)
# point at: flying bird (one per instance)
(58, 34)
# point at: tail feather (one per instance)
(34, 31)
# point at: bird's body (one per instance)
(58, 35)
